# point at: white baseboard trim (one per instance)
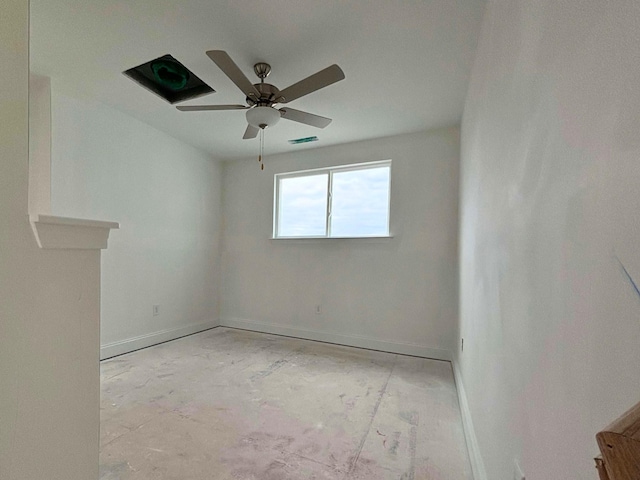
(338, 338)
(477, 464)
(127, 345)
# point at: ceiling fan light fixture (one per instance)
(263, 117)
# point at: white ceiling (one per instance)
(407, 62)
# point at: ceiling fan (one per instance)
(262, 97)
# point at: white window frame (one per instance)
(330, 171)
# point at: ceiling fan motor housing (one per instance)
(269, 94)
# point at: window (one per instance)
(348, 201)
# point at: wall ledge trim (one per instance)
(54, 232)
(128, 345)
(337, 338)
(477, 464)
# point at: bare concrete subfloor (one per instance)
(230, 404)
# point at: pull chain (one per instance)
(261, 149)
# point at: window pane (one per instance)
(303, 206)
(360, 202)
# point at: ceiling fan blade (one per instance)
(310, 84)
(304, 117)
(202, 108)
(251, 132)
(231, 70)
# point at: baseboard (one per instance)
(120, 347)
(337, 338)
(477, 464)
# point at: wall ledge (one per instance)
(54, 232)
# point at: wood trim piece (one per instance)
(619, 445)
(628, 424)
(602, 471)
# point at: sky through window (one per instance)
(359, 203)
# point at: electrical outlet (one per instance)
(318, 309)
(517, 471)
(156, 310)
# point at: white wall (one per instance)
(49, 308)
(549, 206)
(39, 145)
(398, 294)
(166, 196)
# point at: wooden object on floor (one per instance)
(601, 468)
(619, 445)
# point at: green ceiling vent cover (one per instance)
(168, 78)
(298, 141)
(170, 74)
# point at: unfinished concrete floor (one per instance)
(230, 404)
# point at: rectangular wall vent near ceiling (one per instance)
(170, 79)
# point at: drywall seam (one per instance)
(340, 339)
(477, 464)
(120, 347)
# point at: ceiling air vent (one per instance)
(303, 140)
(168, 78)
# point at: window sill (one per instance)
(373, 237)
